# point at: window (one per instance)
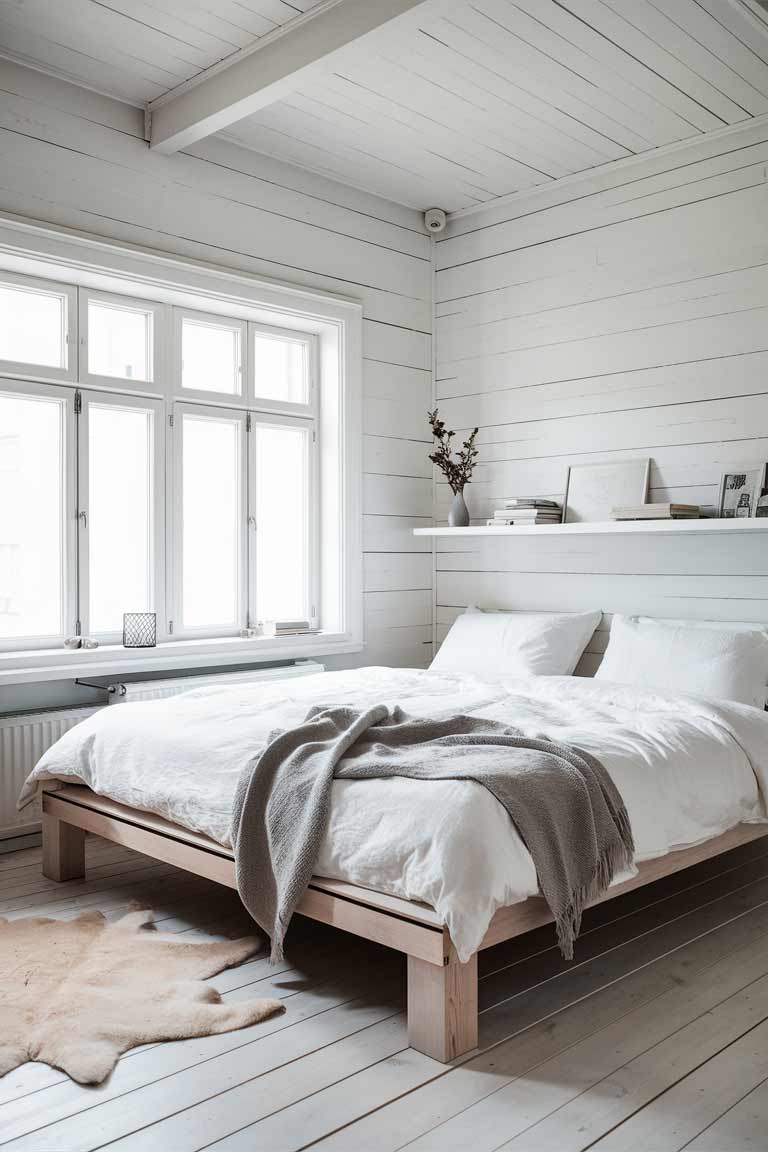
(118, 520)
(210, 349)
(32, 528)
(283, 527)
(281, 367)
(210, 520)
(157, 456)
(35, 321)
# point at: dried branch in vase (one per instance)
(458, 468)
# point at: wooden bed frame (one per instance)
(442, 993)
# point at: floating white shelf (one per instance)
(624, 527)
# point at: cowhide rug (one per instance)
(78, 993)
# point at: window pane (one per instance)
(282, 461)
(31, 516)
(120, 482)
(32, 327)
(119, 341)
(210, 357)
(211, 521)
(280, 369)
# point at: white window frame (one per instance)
(157, 407)
(24, 368)
(156, 341)
(200, 395)
(58, 259)
(176, 626)
(280, 406)
(312, 576)
(68, 606)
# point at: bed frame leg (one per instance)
(63, 849)
(442, 1006)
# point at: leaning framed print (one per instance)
(594, 489)
(740, 491)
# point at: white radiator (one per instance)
(157, 689)
(23, 739)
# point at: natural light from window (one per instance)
(32, 327)
(31, 516)
(177, 453)
(282, 525)
(120, 520)
(211, 504)
(119, 341)
(280, 369)
(210, 357)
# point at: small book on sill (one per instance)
(657, 512)
(286, 627)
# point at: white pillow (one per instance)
(717, 660)
(496, 644)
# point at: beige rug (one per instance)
(78, 993)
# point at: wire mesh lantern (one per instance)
(139, 629)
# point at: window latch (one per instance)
(83, 518)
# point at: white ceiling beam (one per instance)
(270, 70)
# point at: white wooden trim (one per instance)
(579, 184)
(274, 67)
(607, 527)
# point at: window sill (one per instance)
(34, 667)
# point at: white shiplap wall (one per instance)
(76, 159)
(619, 314)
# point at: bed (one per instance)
(433, 869)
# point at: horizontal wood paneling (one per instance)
(72, 158)
(625, 319)
(475, 99)
(136, 50)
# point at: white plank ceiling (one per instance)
(495, 96)
(477, 99)
(136, 50)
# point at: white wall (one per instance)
(75, 159)
(619, 314)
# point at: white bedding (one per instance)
(687, 769)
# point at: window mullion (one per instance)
(251, 541)
(81, 515)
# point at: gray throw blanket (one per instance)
(562, 801)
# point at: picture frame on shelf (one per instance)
(741, 491)
(592, 490)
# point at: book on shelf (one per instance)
(656, 512)
(530, 502)
(519, 521)
(523, 515)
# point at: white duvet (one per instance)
(687, 770)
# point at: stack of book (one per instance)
(656, 512)
(527, 510)
(286, 628)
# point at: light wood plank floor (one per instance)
(654, 1038)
